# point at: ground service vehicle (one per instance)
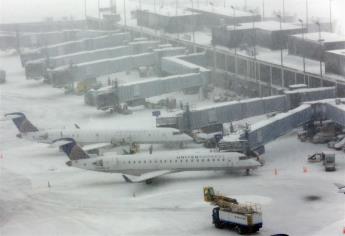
(243, 218)
(327, 159)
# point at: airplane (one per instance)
(341, 187)
(168, 136)
(145, 167)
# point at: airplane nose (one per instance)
(254, 163)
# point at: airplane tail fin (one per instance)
(71, 149)
(21, 122)
(339, 186)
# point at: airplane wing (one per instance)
(146, 176)
(95, 146)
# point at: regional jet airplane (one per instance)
(145, 167)
(341, 187)
(168, 136)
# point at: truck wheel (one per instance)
(218, 225)
(239, 229)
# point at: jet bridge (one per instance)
(93, 69)
(181, 75)
(261, 133)
(268, 130)
(41, 39)
(237, 110)
(36, 69)
(110, 97)
(109, 40)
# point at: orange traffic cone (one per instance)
(305, 169)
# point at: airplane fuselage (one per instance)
(116, 136)
(175, 162)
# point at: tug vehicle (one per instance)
(228, 213)
(327, 159)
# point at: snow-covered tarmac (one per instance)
(89, 203)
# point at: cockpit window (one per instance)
(177, 133)
(98, 163)
(243, 158)
(44, 136)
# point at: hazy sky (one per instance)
(31, 10)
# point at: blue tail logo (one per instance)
(72, 149)
(21, 122)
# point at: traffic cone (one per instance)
(275, 172)
(305, 169)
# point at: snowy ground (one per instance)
(89, 203)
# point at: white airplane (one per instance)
(108, 136)
(145, 167)
(341, 188)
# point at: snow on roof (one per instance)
(306, 90)
(231, 138)
(83, 40)
(88, 51)
(179, 60)
(279, 116)
(325, 36)
(340, 52)
(265, 25)
(227, 12)
(234, 102)
(169, 11)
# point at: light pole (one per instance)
(235, 23)
(283, 9)
(141, 13)
(302, 26)
(254, 34)
(156, 17)
(254, 51)
(320, 43)
(235, 35)
(99, 10)
(281, 50)
(330, 15)
(193, 25)
(124, 12)
(263, 10)
(176, 6)
(85, 9)
(307, 14)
